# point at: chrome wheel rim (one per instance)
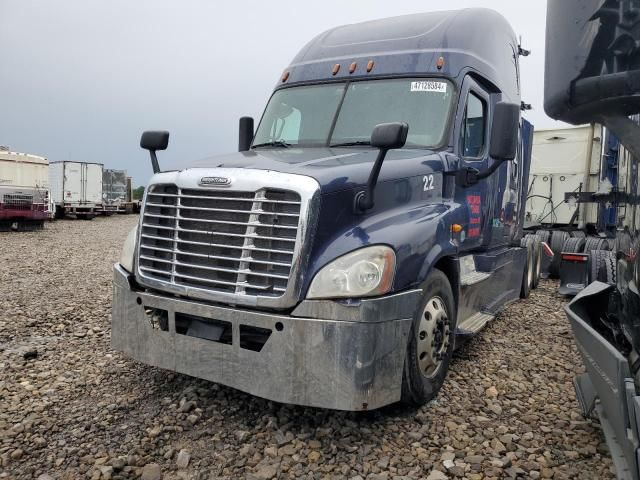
(531, 269)
(432, 337)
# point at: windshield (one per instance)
(346, 113)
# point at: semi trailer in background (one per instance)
(76, 188)
(568, 166)
(563, 160)
(117, 192)
(592, 75)
(373, 220)
(24, 190)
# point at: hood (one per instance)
(334, 168)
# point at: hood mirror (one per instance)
(154, 140)
(385, 136)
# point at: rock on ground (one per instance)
(78, 409)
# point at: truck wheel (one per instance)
(527, 274)
(596, 243)
(533, 242)
(431, 342)
(543, 235)
(574, 245)
(602, 266)
(537, 261)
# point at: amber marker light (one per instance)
(440, 63)
(370, 65)
(285, 76)
(352, 67)
(456, 228)
(336, 69)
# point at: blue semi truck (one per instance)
(372, 219)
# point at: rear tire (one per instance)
(543, 235)
(602, 266)
(431, 342)
(596, 243)
(574, 245)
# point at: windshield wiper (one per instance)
(351, 144)
(275, 143)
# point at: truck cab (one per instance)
(373, 217)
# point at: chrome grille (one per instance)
(231, 242)
(17, 201)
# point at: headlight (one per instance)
(128, 250)
(363, 273)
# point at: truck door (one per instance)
(471, 144)
(73, 187)
(93, 183)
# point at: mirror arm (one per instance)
(154, 161)
(364, 199)
(489, 171)
(469, 176)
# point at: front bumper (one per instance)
(343, 356)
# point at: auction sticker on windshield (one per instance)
(429, 86)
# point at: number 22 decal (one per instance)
(428, 182)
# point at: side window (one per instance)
(472, 132)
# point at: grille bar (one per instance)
(214, 233)
(205, 244)
(240, 243)
(228, 210)
(207, 197)
(217, 257)
(202, 267)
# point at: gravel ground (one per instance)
(80, 410)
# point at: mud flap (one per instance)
(607, 386)
(573, 273)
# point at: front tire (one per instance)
(431, 342)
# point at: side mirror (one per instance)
(385, 136)
(154, 140)
(504, 131)
(245, 134)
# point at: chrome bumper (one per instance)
(350, 357)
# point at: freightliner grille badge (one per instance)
(215, 181)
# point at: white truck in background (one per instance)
(563, 160)
(569, 164)
(117, 192)
(76, 188)
(24, 190)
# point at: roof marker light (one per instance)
(285, 76)
(336, 69)
(370, 65)
(440, 63)
(352, 67)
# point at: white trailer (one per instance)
(563, 160)
(24, 190)
(567, 161)
(76, 188)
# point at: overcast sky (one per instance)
(81, 79)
